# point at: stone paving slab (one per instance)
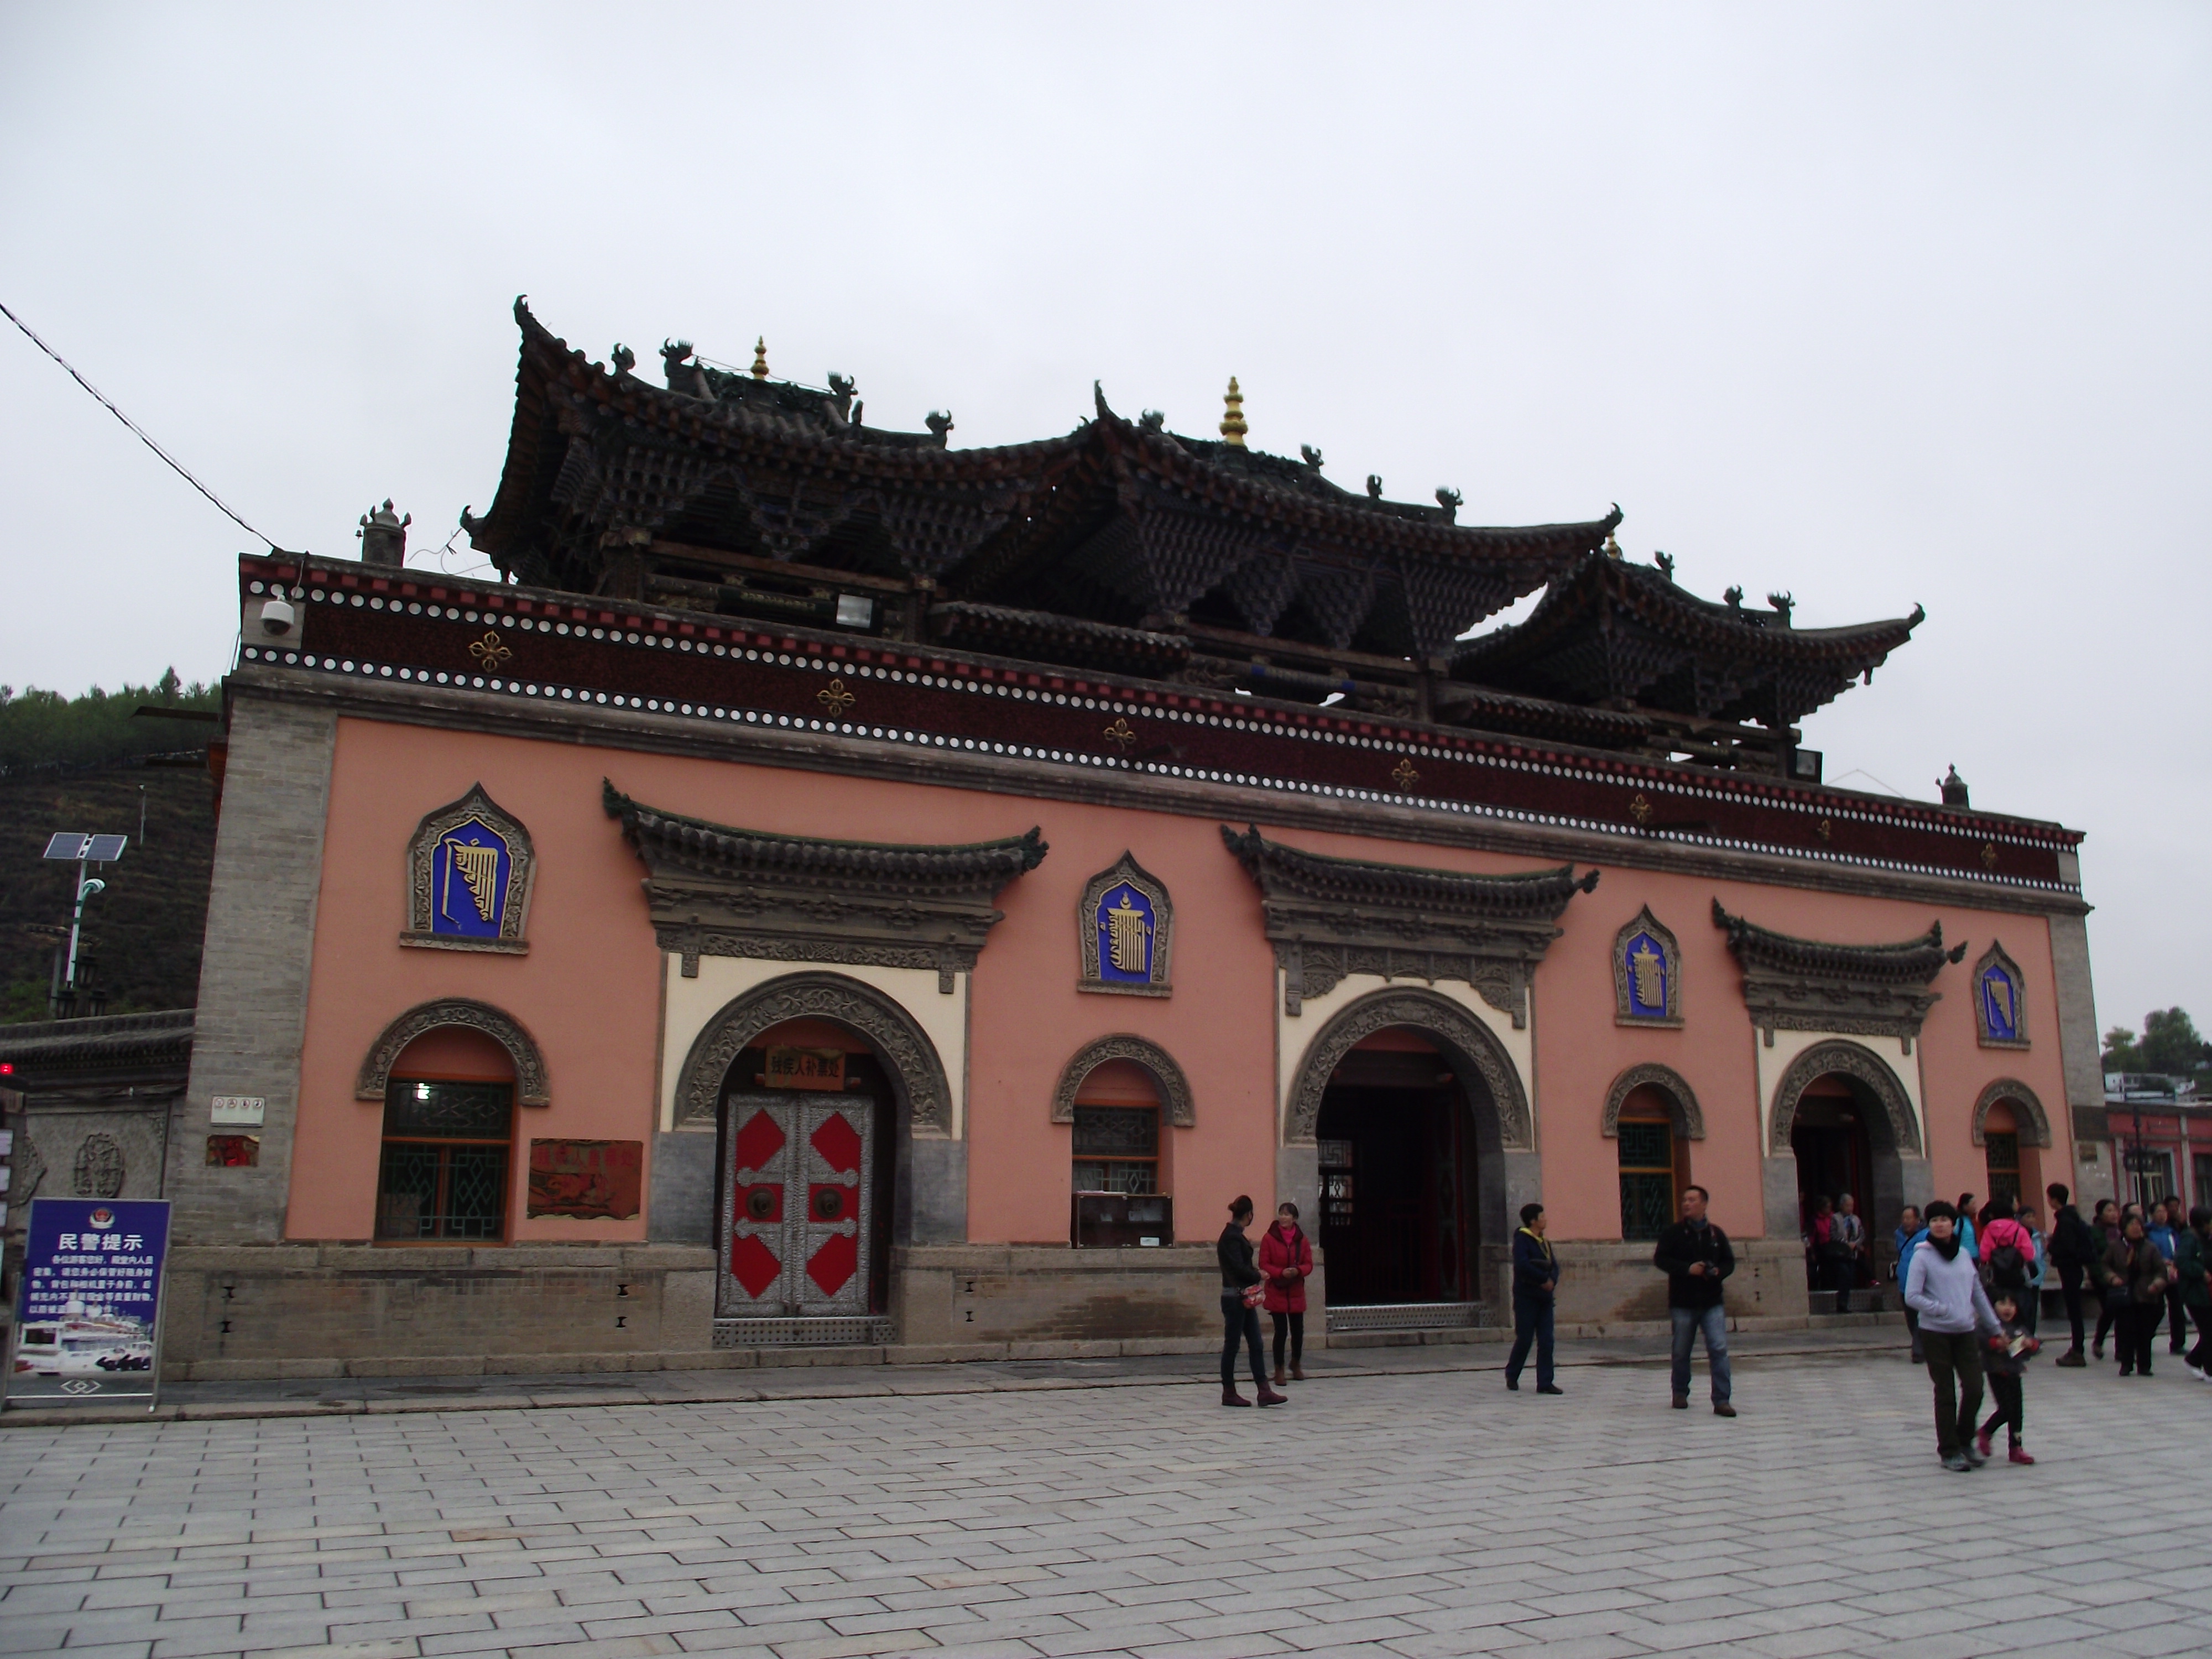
(1386, 1512)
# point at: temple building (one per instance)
(835, 888)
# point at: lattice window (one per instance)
(1117, 1149)
(2002, 1150)
(444, 1170)
(1647, 1179)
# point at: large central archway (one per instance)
(1420, 1088)
(1841, 1121)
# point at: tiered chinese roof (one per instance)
(1126, 548)
(1618, 635)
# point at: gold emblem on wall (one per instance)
(1640, 809)
(835, 698)
(489, 651)
(1405, 775)
(1126, 931)
(1120, 734)
(1988, 855)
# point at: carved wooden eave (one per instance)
(1332, 917)
(1793, 984)
(715, 891)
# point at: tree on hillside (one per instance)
(2169, 1043)
(44, 728)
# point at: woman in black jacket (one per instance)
(1239, 1317)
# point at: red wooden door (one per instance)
(795, 1208)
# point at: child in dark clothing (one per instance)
(2004, 1359)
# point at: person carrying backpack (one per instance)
(2073, 1249)
(2008, 1254)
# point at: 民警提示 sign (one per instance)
(88, 1302)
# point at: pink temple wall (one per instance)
(588, 989)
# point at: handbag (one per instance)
(1254, 1294)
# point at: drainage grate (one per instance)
(1411, 1317)
(802, 1333)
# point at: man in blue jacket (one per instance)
(1536, 1283)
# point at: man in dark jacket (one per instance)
(1535, 1281)
(2074, 1247)
(1695, 1256)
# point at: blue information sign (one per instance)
(88, 1302)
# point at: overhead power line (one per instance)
(137, 431)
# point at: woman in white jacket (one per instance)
(1944, 1286)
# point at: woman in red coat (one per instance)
(1286, 1258)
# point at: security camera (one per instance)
(277, 617)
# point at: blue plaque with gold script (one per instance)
(470, 866)
(1126, 932)
(1645, 973)
(1999, 1004)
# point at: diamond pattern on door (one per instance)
(795, 1205)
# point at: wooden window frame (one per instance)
(1153, 1162)
(446, 1144)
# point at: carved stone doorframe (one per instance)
(1899, 1174)
(1508, 1170)
(930, 1169)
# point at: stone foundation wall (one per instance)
(354, 1310)
(957, 1294)
(240, 1311)
(1611, 1283)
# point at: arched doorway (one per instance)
(818, 1090)
(1419, 1127)
(1842, 1123)
(2011, 1129)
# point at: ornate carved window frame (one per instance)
(1996, 958)
(1689, 1118)
(1125, 870)
(1176, 1105)
(522, 870)
(2034, 1127)
(530, 1080)
(1624, 1008)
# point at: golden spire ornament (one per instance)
(1232, 417)
(760, 358)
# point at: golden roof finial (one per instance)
(1232, 418)
(760, 358)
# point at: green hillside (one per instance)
(83, 763)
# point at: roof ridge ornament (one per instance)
(1612, 548)
(1233, 427)
(760, 357)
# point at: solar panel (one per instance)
(105, 849)
(68, 844)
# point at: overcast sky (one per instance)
(1873, 305)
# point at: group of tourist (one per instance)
(1972, 1281)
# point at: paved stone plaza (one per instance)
(1390, 1515)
